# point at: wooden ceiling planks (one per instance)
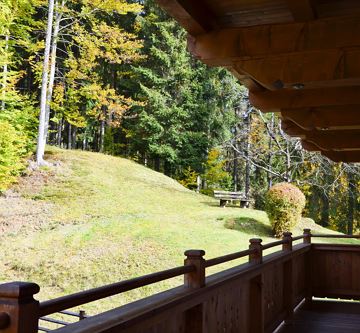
(275, 48)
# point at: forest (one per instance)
(115, 77)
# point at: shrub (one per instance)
(189, 178)
(284, 204)
(215, 176)
(12, 152)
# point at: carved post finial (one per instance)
(195, 258)
(256, 256)
(307, 236)
(287, 237)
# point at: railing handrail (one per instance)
(297, 238)
(273, 244)
(87, 296)
(194, 271)
(228, 257)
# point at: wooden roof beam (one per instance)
(275, 101)
(194, 16)
(351, 156)
(328, 117)
(313, 69)
(226, 47)
(301, 10)
(326, 139)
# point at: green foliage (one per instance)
(284, 205)
(12, 151)
(215, 176)
(189, 178)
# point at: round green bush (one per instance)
(284, 204)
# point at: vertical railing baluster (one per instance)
(288, 288)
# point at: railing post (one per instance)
(195, 258)
(307, 236)
(18, 309)
(82, 315)
(255, 257)
(194, 316)
(256, 297)
(287, 237)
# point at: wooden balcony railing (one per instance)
(253, 297)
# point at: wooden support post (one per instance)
(256, 313)
(287, 237)
(194, 316)
(307, 236)
(19, 312)
(195, 258)
(255, 257)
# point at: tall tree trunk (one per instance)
(44, 84)
(102, 135)
(5, 74)
(288, 162)
(236, 154)
(247, 154)
(157, 163)
(269, 172)
(351, 202)
(69, 136)
(325, 209)
(73, 137)
(59, 133)
(58, 16)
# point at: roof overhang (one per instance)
(300, 58)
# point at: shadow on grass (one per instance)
(249, 226)
(210, 203)
(217, 204)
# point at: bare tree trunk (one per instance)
(59, 133)
(102, 135)
(58, 15)
(351, 202)
(247, 155)
(236, 154)
(325, 209)
(269, 172)
(288, 162)
(44, 84)
(69, 136)
(73, 137)
(5, 74)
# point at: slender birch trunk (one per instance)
(5, 74)
(44, 84)
(58, 16)
(247, 153)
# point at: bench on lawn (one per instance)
(226, 196)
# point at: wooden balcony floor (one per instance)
(325, 316)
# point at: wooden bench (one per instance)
(226, 196)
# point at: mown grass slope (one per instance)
(110, 219)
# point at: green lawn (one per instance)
(112, 219)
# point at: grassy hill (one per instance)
(93, 219)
